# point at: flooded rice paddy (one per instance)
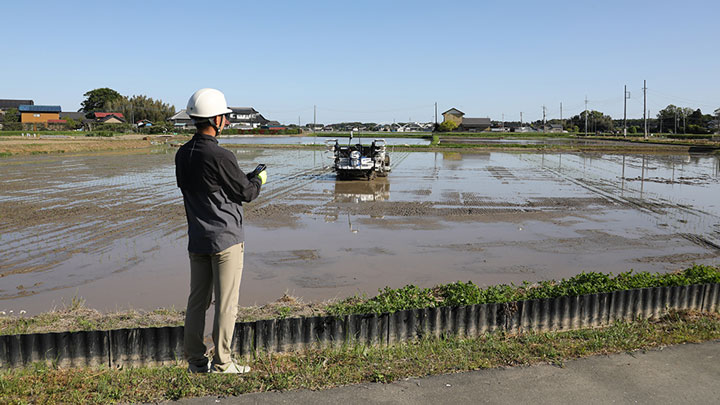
(315, 140)
(111, 227)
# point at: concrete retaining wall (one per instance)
(160, 346)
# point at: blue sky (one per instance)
(380, 61)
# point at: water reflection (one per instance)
(357, 191)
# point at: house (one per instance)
(246, 118)
(475, 124)
(104, 115)
(240, 117)
(181, 120)
(453, 115)
(6, 104)
(103, 118)
(273, 125)
(37, 116)
(553, 128)
(466, 124)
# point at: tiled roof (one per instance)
(476, 122)
(105, 114)
(6, 104)
(454, 111)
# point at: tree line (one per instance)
(135, 108)
(669, 120)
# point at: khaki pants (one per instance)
(219, 272)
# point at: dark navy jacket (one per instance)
(213, 188)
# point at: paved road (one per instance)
(685, 374)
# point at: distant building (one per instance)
(246, 118)
(72, 115)
(475, 124)
(37, 116)
(553, 128)
(6, 104)
(466, 124)
(410, 127)
(453, 115)
(274, 125)
(104, 118)
(240, 117)
(181, 120)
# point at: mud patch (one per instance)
(375, 251)
(277, 215)
(326, 280)
(701, 241)
(679, 180)
(679, 258)
(291, 257)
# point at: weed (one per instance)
(316, 369)
(459, 293)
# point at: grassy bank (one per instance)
(36, 146)
(327, 368)
(75, 316)
(460, 293)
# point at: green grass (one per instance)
(460, 293)
(503, 135)
(75, 316)
(18, 133)
(318, 369)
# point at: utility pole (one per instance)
(683, 114)
(436, 113)
(503, 122)
(626, 97)
(645, 108)
(675, 127)
(543, 117)
(586, 115)
(520, 119)
(314, 117)
(561, 112)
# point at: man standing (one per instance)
(213, 188)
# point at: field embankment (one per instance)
(326, 368)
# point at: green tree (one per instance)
(447, 126)
(137, 108)
(98, 99)
(670, 118)
(11, 120)
(73, 124)
(596, 122)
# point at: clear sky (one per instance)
(369, 60)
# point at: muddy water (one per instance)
(111, 227)
(319, 140)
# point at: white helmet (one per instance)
(207, 103)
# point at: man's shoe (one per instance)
(199, 369)
(232, 369)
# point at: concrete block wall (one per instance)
(163, 346)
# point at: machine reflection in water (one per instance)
(362, 191)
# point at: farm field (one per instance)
(110, 226)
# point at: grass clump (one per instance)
(460, 293)
(326, 368)
(75, 316)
